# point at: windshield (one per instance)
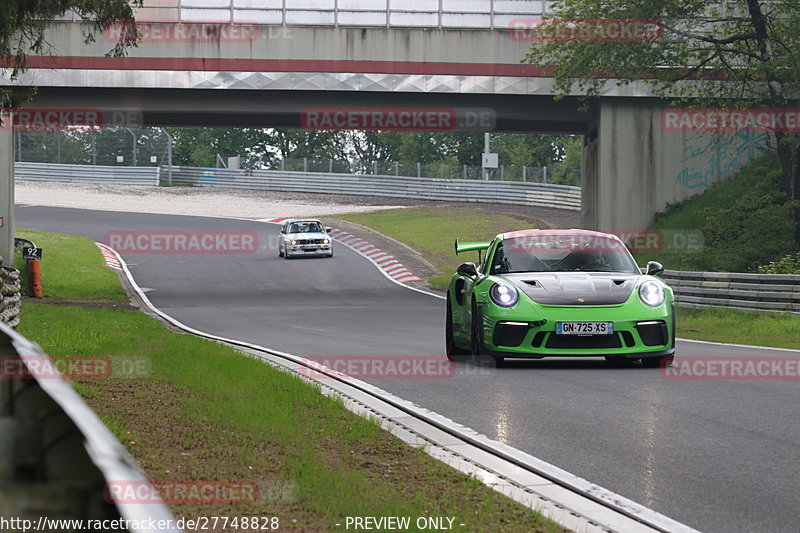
(562, 253)
(306, 227)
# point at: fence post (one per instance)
(419, 168)
(502, 172)
(330, 166)
(544, 174)
(375, 167)
(524, 173)
(396, 168)
(305, 164)
(170, 140)
(464, 171)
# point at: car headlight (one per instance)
(652, 293)
(326, 241)
(294, 242)
(504, 294)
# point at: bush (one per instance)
(788, 264)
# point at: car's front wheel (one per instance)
(662, 361)
(449, 341)
(476, 338)
(286, 251)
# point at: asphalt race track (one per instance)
(717, 455)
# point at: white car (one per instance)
(304, 237)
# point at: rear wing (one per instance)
(471, 247)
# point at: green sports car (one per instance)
(538, 293)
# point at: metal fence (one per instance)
(87, 173)
(56, 457)
(763, 293)
(501, 192)
(558, 175)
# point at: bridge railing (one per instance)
(762, 293)
(484, 14)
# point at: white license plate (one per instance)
(584, 328)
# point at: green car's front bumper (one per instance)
(529, 330)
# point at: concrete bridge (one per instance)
(214, 63)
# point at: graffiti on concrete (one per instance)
(719, 156)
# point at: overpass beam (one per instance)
(7, 191)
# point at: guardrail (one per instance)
(762, 293)
(500, 192)
(56, 456)
(87, 173)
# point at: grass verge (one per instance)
(207, 412)
(72, 268)
(724, 325)
(432, 231)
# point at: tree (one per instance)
(23, 25)
(731, 54)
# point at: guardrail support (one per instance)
(6, 187)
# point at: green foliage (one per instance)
(788, 264)
(698, 40)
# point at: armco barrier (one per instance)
(56, 456)
(502, 192)
(762, 293)
(86, 173)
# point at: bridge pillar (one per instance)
(7, 191)
(633, 167)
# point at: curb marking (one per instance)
(110, 256)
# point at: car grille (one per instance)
(309, 241)
(582, 342)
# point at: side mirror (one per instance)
(467, 269)
(654, 268)
(328, 230)
(283, 231)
